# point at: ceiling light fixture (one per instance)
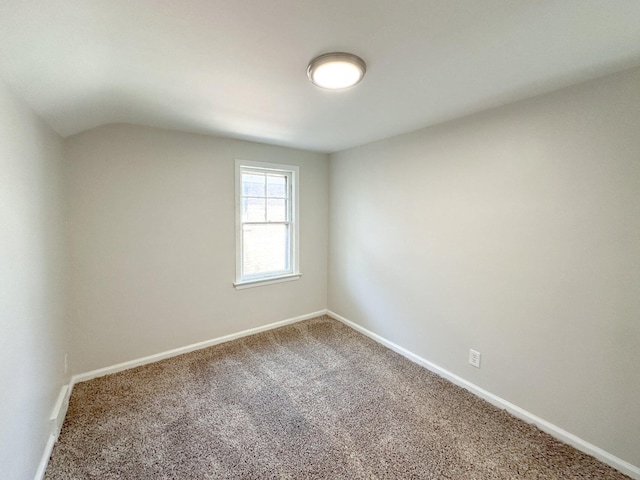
(336, 71)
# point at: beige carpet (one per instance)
(311, 400)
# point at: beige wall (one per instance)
(152, 242)
(33, 331)
(515, 232)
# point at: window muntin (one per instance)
(266, 221)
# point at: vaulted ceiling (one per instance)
(238, 67)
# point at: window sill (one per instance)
(266, 281)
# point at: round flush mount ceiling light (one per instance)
(336, 71)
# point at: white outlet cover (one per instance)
(474, 358)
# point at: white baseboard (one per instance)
(82, 377)
(548, 427)
(60, 411)
(555, 431)
(62, 403)
(44, 461)
(56, 420)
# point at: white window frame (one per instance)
(293, 273)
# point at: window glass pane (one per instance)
(276, 210)
(277, 186)
(253, 209)
(253, 184)
(265, 249)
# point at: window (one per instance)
(266, 223)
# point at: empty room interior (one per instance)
(319, 239)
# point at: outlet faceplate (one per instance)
(474, 358)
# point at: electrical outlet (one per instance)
(474, 358)
(66, 364)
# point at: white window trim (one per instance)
(294, 273)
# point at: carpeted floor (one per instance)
(312, 400)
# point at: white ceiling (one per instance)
(238, 67)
